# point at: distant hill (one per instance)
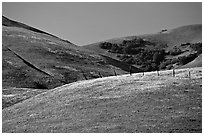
(177, 36)
(32, 58)
(189, 33)
(176, 43)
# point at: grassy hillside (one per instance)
(177, 43)
(12, 96)
(35, 59)
(125, 103)
(177, 36)
(11, 23)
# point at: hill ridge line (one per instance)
(24, 26)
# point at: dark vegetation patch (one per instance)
(150, 56)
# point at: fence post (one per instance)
(143, 73)
(173, 73)
(84, 75)
(130, 70)
(100, 74)
(157, 72)
(189, 74)
(115, 73)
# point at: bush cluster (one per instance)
(149, 55)
(127, 46)
(197, 47)
(186, 59)
(175, 51)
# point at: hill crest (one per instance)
(11, 23)
(114, 104)
(174, 43)
(47, 61)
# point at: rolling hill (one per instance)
(130, 104)
(11, 23)
(179, 41)
(177, 36)
(36, 59)
(51, 85)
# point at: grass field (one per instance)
(62, 60)
(125, 103)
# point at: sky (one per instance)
(86, 23)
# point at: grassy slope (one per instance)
(58, 57)
(61, 59)
(124, 103)
(12, 23)
(14, 95)
(189, 33)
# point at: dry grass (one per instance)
(123, 103)
(49, 54)
(12, 96)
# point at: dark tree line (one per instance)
(150, 56)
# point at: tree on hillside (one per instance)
(158, 56)
(116, 48)
(197, 47)
(185, 59)
(105, 45)
(175, 51)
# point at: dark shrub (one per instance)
(162, 65)
(105, 45)
(158, 56)
(154, 66)
(175, 51)
(197, 47)
(116, 48)
(186, 59)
